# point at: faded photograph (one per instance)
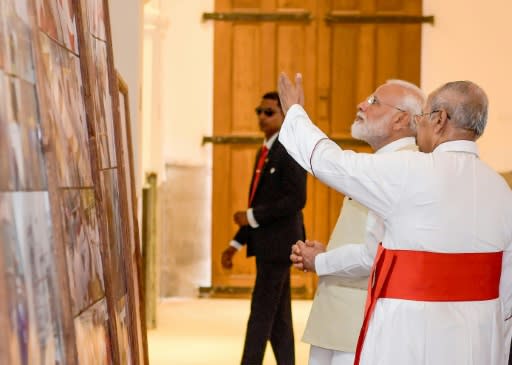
(26, 115)
(3, 39)
(8, 173)
(67, 18)
(122, 325)
(83, 254)
(73, 125)
(96, 18)
(64, 108)
(35, 330)
(23, 159)
(47, 13)
(18, 47)
(91, 328)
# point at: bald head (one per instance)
(465, 103)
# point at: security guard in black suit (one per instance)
(271, 225)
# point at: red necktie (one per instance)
(257, 172)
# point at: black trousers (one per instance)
(271, 316)
(510, 355)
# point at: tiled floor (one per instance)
(211, 331)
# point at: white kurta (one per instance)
(445, 201)
(337, 311)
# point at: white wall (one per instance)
(153, 131)
(187, 60)
(126, 23)
(470, 40)
(178, 112)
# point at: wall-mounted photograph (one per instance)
(35, 326)
(82, 241)
(68, 19)
(48, 18)
(19, 61)
(62, 83)
(96, 18)
(92, 333)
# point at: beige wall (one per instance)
(187, 96)
(471, 41)
(153, 129)
(178, 112)
(126, 23)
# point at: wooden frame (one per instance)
(125, 123)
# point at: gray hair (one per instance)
(412, 100)
(465, 102)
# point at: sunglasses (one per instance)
(267, 111)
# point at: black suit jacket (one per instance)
(277, 207)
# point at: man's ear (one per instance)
(441, 122)
(401, 121)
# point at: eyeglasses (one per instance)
(418, 116)
(267, 111)
(372, 100)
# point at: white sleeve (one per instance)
(236, 245)
(376, 181)
(506, 285)
(353, 260)
(250, 218)
(300, 136)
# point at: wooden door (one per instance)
(344, 49)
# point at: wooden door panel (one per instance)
(345, 45)
(351, 6)
(398, 45)
(390, 5)
(246, 4)
(246, 77)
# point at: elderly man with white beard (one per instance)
(385, 121)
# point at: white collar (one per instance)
(458, 146)
(396, 145)
(269, 142)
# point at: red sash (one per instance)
(430, 277)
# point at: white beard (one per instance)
(367, 131)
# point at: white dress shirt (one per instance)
(444, 201)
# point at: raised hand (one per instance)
(290, 94)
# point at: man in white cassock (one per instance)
(440, 287)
